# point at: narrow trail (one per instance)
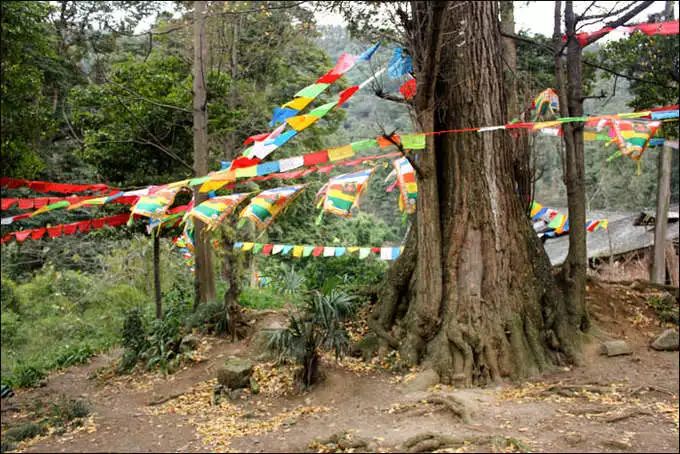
(618, 404)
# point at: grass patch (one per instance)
(264, 298)
(666, 308)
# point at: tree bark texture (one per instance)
(157, 274)
(569, 79)
(204, 278)
(473, 295)
(663, 198)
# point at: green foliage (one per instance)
(65, 411)
(653, 59)
(25, 376)
(72, 355)
(315, 326)
(209, 317)
(27, 53)
(22, 432)
(287, 281)
(262, 298)
(666, 308)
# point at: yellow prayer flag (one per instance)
(300, 122)
(340, 153)
(297, 251)
(212, 185)
(245, 172)
(298, 103)
(248, 246)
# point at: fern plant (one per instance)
(316, 326)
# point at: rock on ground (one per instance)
(235, 373)
(615, 348)
(668, 340)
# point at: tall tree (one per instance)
(204, 279)
(472, 296)
(569, 77)
(663, 198)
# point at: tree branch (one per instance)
(585, 62)
(621, 20)
(144, 98)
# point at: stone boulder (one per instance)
(235, 373)
(666, 341)
(189, 343)
(615, 348)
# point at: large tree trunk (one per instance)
(204, 278)
(473, 295)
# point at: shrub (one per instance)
(25, 376)
(65, 410)
(263, 298)
(9, 300)
(316, 326)
(209, 317)
(9, 329)
(22, 432)
(72, 355)
(666, 308)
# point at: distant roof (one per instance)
(624, 236)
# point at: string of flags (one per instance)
(551, 223)
(300, 251)
(650, 28)
(632, 145)
(45, 186)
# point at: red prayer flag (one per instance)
(25, 204)
(243, 161)
(84, 226)
(375, 250)
(346, 94)
(267, 249)
(256, 137)
(329, 77)
(71, 229)
(55, 231)
(317, 251)
(408, 89)
(98, 223)
(6, 203)
(36, 234)
(22, 235)
(315, 158)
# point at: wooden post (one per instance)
(663, 196)
(157, 274)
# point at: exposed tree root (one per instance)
(630, 414)
(574, 390)
(429, 441)
(342, 441)
(162, 400)
(451, 403)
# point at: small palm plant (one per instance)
(290, 282)
(316, 326)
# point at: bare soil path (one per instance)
(619, 404)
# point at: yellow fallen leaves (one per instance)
(274, 380)
(219, 424)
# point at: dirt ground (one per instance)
(618, 404)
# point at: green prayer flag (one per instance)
(364, 144)
(413, 141)
(197, 181)
(307, 251)
(322, 110)
(311, 91)
(257, 248)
